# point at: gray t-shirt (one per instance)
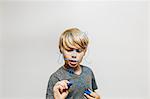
(80, 83)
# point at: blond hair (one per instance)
(73, 38)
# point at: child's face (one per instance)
(73, 57)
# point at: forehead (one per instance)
(70, 46)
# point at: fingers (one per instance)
(61, 86)
(65, 83)
(92, 95)
(88, 96)
(60, 89)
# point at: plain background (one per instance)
(118, 52)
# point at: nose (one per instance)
(74, 54)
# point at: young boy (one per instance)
(72, 80)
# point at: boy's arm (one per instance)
(93, 93)
(94, 84)
(51, 83)
(55, 86)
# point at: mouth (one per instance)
(73, 62)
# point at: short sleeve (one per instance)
(94, 85)
(51, 83)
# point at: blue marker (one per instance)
(69, 84)
(87, 91)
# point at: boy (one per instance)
(72, 81)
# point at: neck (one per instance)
(77, 69)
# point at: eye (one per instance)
(79, 50)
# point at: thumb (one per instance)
(56, 90)
(65, 93)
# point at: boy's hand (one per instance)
(92, 95)
(60, 89)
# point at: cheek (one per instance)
(80, 56)
(66, 55)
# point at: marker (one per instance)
(87, 91)
(69, 84)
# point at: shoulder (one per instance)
(57, 74)
(87, 69)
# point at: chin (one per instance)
(73, 65)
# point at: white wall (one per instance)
(149, 48)
(1, 49)
(117, 53)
